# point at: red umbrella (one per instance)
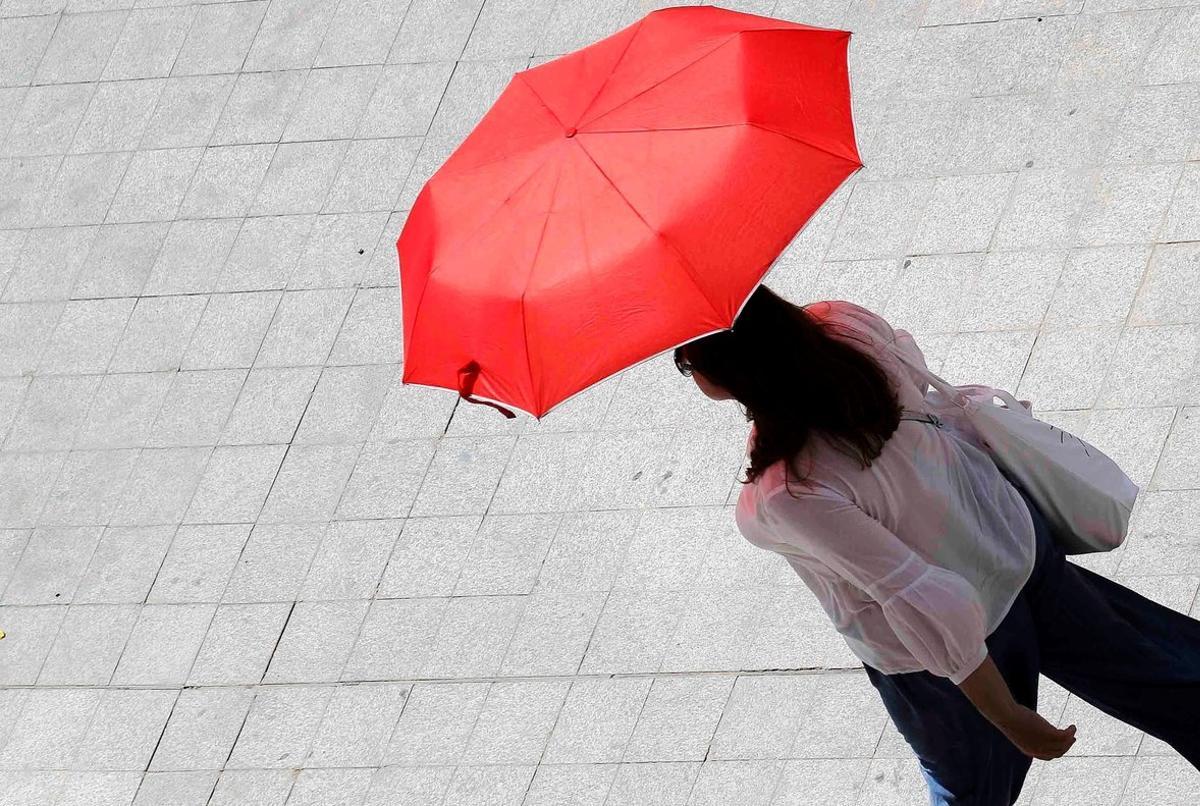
(619, 201)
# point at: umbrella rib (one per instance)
(487, 219)
(691, 272)
(665, 78)
(714, 126)
(441, 261)
(537, 250)
(458, 172)
(794, 137)
(612, 70)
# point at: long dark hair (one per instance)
(793, 379)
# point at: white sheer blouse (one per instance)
(917, 558)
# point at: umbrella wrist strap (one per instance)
(466, 385)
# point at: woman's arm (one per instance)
(934, 612)
(1033, 735)
(986, 688)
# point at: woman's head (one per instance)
(793, 381)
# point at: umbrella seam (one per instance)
(461, 172)
(797, 139)
(462, 244)
(611, 70)
(661, 81)
(732, 36)
(532, 268)
(686, 264)
(492, 214)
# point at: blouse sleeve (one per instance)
(934, 612)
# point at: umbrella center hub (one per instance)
(571, 132)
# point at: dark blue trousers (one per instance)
(1125, 654)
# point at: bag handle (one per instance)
(1012, 402)
(953, 393)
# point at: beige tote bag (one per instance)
(1083, 493)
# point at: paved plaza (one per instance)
(241, 563)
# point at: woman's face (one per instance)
(712, 390)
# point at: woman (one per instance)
(938, 570)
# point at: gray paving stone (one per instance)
(385, 479)
(369, 334)
(89, 486)
(316, 642)
(259, 106)
(360, 32)
(344, 404)
(54, 409)
(199, 562)
(331, 259)
(50, 728)
(125, 730)
(239, 643)
(161, 485)
(81, 193)
(122, 254)
(1182, 217)
(316, 787)
(751, 781)
(553, 633)
(201, 730)
(1165, 780)
(309, 483)
(458, 651)
(418, 785)
(101, 788)
(187, 111)
(33, 787)
(89, 643)
(47, 119)
(253, 787)
(299, 177)
(305, 327)
(265, 253)
(350, 560)
(502, 785)
(235, 483)
(574, 783)
(157, 333)
(225, 182)
(219, 38)
(163, 644)
(25, 40)
(117, 115)
(230, 330)
(274, 562)
(666, 782)
(357, 725)
(280, 727)
(52, 564)
(429, 557)
(175, 788)
(29, 633)
(123, 410)
(12, 546)
(677, 719)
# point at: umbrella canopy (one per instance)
(619, 201)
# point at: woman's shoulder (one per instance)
(844, 310)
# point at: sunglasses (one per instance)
(682, 365)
